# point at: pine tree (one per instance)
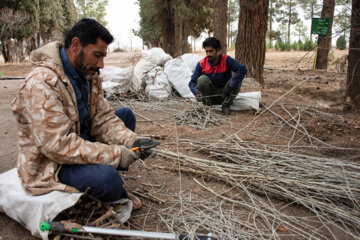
(9, 22)
(172, 21)
(273, 11)
(287, 14)
(30, 10)
(51, 20)
(69, 13)
(233, 15)
(342, 17)
(92, 9)
(301, 29)
(150, 28)
(311, 8)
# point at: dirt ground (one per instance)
(316, 89)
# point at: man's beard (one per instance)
(82, 70)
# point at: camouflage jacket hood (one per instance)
(48, 125)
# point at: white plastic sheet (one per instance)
(157, 84)
(244, 101)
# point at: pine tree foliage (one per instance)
(92, 9)
(233, 16)
(341, 43)
(312, 8)
(169, 23)
(150, 28)
(44, 20)
(274, 10)
(342, 17)
(51, 19)
(69, 13)
(300, 29)
(287, 14)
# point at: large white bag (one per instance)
(179, 75)
(122, 76)
(140, 71)
(158, 54)
(111, 88)
(30, 211)
(191, 60)
(157, 84)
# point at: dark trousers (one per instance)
(102, 181)
(212, 95)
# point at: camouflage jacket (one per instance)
(49, 130)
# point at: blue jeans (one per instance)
(102, 181)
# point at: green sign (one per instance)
(320, 26)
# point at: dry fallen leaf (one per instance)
(196, 190)
(282, 229)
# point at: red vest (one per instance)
(219, 68)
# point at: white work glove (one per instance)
(127, 158)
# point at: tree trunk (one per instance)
(270, 25)
(178, 37)
(220, 22)
(289, 24)
(353, 74)
(228, 26)
(3, 51)
(250, 41)
(312, 15)
(7, 51)
(324, 42)
(168, 36)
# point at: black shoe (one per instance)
(225, 110)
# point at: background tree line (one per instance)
(199, 15)
(169, 23)
(25, 25)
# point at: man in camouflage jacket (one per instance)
(63, 146)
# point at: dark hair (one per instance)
(212, 42)
(88, 31)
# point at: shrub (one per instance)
(309, 45)
(277, 45)
(118, 50)
(285, 46)
(282, 46)
(301, 45)
(341, 43)
(295, 46)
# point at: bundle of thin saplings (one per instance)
(198, 116)
(329, 188)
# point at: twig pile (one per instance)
(234, 219)
(89, 211)
(327, 187)
(199, 116)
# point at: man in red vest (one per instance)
(213, 82)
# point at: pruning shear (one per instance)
(146, 147)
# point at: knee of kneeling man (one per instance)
(110, 177)
(202, 81)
